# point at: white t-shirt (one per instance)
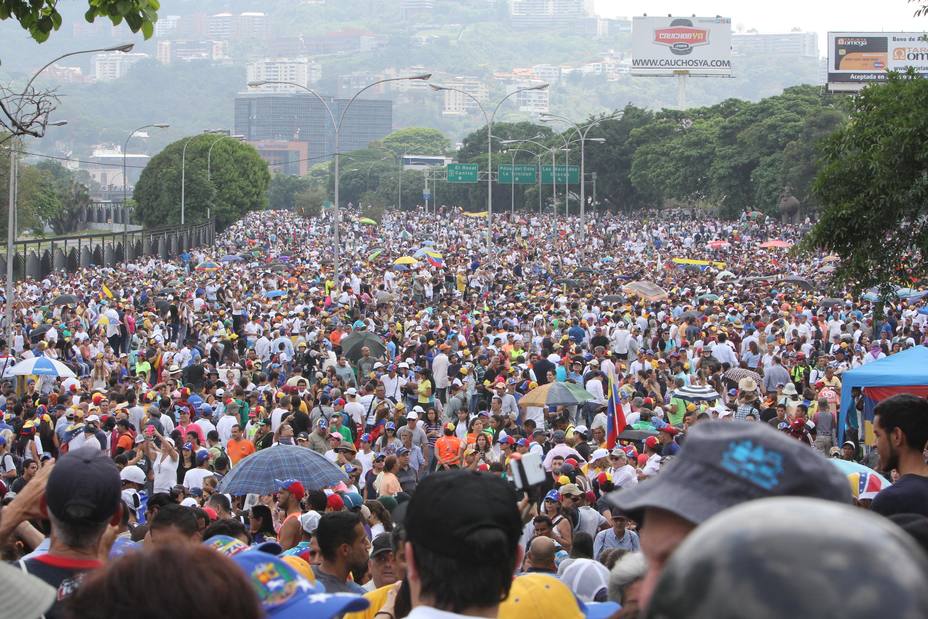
(194, 478)
(224, 428)
(165, 470)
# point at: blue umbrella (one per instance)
(41, 366)
(273, 294)
(923, 311)
(257, 473)
(231, 258)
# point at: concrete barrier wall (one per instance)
(37, 258)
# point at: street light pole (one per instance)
(489, 121)
(338, 129)
(125, 190)
(11, 206)
(582, 132)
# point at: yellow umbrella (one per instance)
(480, 214)
(406, 260)
(367, 221)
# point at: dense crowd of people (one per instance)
(564, 422)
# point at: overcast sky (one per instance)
(821, 16)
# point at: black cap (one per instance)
(381, 544)
(724, 463)
(443, 514)
(84, 487)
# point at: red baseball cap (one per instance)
(292, 486)
(672, 431)
(651, 442)
(335, 502)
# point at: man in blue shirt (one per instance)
(616, 537)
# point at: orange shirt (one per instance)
(448, 449)
(238, 449)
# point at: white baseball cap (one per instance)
(412, 415)
(132, 474)
(310, 521)
(351, 391)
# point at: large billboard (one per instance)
(856, 59)
(681, 45)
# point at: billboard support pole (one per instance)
(681, 91)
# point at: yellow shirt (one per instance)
(377, 598)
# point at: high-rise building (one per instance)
(799, 44)
(460, 104)
(251, 25)
(533, 101)
(220, 26)
(302, 71)
(110, 66)
(166, 25)
(551, 13)
(300, 117)
(185, 51)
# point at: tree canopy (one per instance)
(873, 186)
(41, 17)
(417, 141)
(236, 182)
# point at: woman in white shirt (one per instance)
(164, 462)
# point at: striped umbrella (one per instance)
(736, 374)
(556, 394)
(41, 366)
(257, 473)
(697, 393)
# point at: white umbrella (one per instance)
(42, 366)
(697, 393)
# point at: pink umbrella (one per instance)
(776, 244)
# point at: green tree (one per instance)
(236, 183)
(41, 17)
(60, 198)
(309, 202)
(873, 186)
(282, 190)
(417, 141)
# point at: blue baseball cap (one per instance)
(390, 426)
(285, 594)
(553, 495)
(352, 500)
(322, 423)
(402, 451)
(202, 456)
(365, 438)
(188, 446)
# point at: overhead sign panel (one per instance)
(856, 59)
(566, 175)
(462, 172)
(681, 45)
(525, 174)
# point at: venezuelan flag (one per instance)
(615, 422)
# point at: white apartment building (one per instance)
(110, 66)
(302, 71)
(460, 104)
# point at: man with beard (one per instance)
(289, 494)
(344, 548)
(901, 428)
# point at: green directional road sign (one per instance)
(565, 174)
(462, 172)
(525, 174)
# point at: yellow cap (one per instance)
(539, 595)
(301, 566)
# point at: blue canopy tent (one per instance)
(905, 372)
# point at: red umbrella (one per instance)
(718, 244)
(776, 244)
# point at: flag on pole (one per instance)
(615, 422)
(107, 292)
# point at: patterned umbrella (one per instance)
(697, 393)
(208, 265)
(863, 479)
(256, 473)
(41, 366)
(649, 291)
(776, 244)
(736, 374)
(556, 394)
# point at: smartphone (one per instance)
(150, 431)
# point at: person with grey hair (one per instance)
(625, 578)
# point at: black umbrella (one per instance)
(353, 343)
(39, 332)
(614, 298)
(65, 299)
(164, 292)
(690, 314)
(802, 282)
(162, 305)
(829, 301)
(278, 267)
